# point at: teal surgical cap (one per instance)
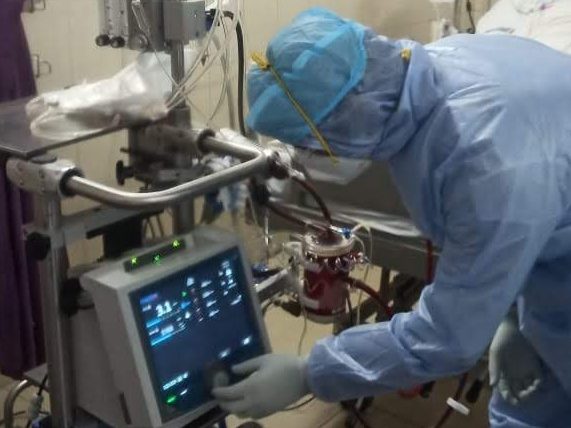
(320, 57)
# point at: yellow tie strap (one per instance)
(406, 54)
(265, 65)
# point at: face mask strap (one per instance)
(265, 65)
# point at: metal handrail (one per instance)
(257, 161)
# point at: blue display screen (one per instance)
(193, 322)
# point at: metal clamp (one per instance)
(40, 67)
(42, 175)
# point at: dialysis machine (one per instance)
(140, 340)
(169, 323)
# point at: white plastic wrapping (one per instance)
(136, 93)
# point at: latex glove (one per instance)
(273, 383)
(515, 368)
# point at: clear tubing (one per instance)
(215, 57)
(225, 80)
(180, 90)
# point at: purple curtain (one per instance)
(21, 343)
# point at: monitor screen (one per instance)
(193, 322)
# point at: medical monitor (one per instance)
(174, 317)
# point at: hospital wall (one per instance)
(63, 35)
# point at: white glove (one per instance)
(515, 368)
(274, 382)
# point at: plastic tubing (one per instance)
(374, 295)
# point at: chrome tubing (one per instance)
(10, 401)
(258, 163)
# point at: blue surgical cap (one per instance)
(346, 77)
(321, 58)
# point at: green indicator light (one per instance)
(176, 244)
(157, 259)
(184, 294)
(171, 399)
(134, 261)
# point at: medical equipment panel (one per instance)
(174, 319)
(193, 323)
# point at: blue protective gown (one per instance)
(486, 174)
(477, 133)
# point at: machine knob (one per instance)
(220, 379)
(102, 40)
(123, 172)
(217, 376)
(38, 246)
(117, 42)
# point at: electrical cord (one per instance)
(41, 390)
(293, 219)
(15, 415)
(457, 396)
(300, 405)
(241, 72)
(469, 9)
(355, 412)
(266, 307)
(42, 387)
(350, 307)
(303, 332)
(313, 192)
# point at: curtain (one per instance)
(21, 342)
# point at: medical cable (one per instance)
(303, 332)
(316, 196)
(355, 413)
(241, 72)
(469, 10)
(35, 407)
(225, 87)
(374, 295)
(207, 66)
(180, 89)
(143, 24)
(350, 309)
(300, 405)
(293, 219)
(368, 266)
(175, 96)
(457, 396)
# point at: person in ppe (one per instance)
(476, 132)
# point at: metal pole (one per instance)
(56, 325)
(183, 213)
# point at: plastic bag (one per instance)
(135, 94)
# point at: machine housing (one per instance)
(120, 363)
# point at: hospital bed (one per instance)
(546, 21)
